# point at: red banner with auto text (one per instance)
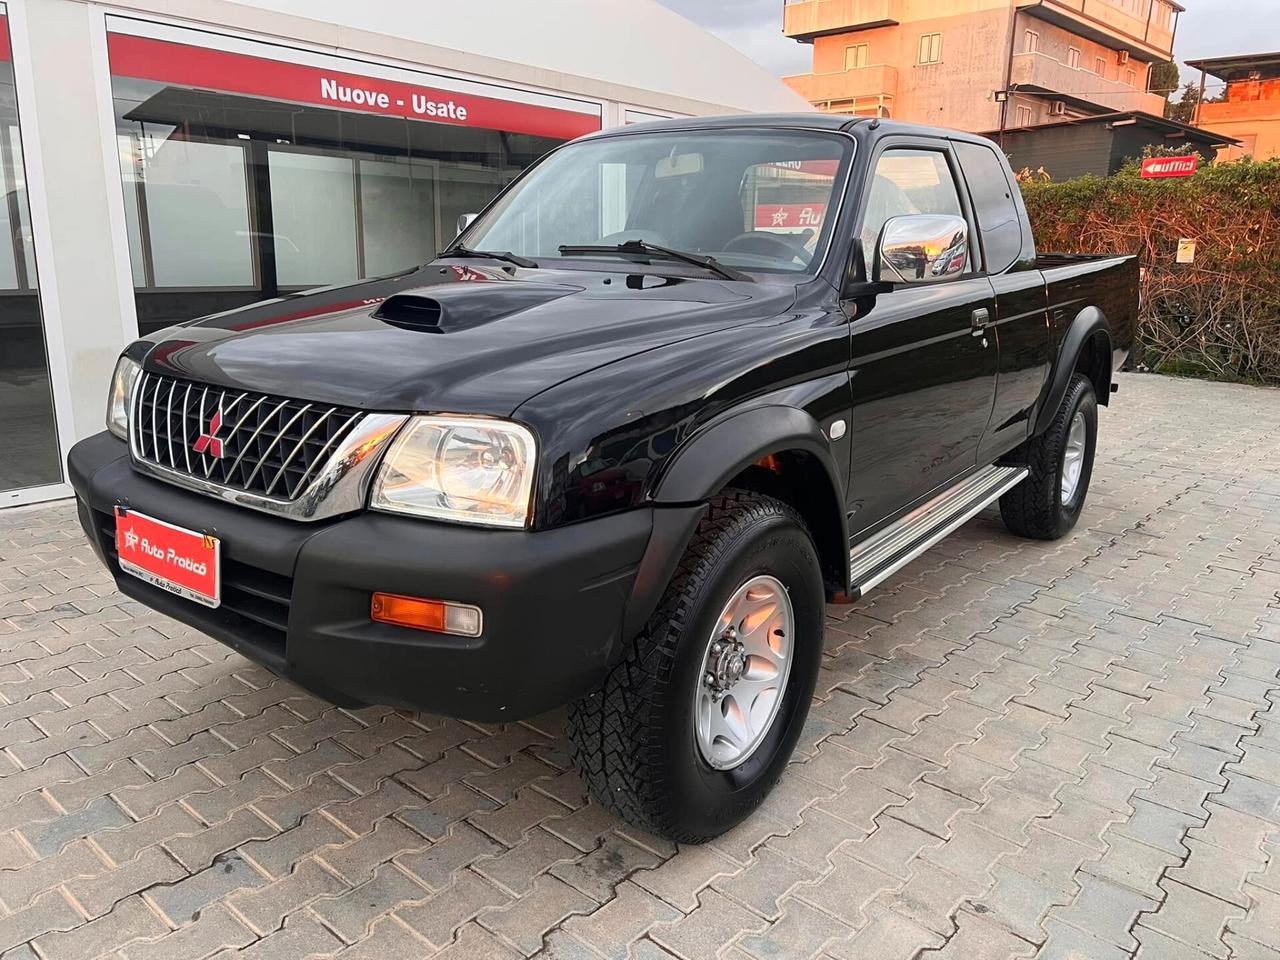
(790, 216)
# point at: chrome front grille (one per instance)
(237, 440)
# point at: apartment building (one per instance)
(1249, 108)
(982, 65)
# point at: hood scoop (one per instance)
(464, 306)
(409, 311)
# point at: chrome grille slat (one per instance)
(254, 436)
(275, 443)
(297, 448)
(319, 459)
(205, 459)
(168, 421)
(271, 446)
(155, 400)
(186, 441)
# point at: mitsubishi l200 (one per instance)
(678, 386)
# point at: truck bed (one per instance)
(1074, 281)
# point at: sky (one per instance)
(1209, 28)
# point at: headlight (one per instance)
(122, 382)
(458, 468)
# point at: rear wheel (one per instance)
(693, 728)
(1047, 504)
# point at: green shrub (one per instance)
(1218, 317)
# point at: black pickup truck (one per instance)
(676, 387)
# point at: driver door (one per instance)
(923, 373)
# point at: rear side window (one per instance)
(994, 204)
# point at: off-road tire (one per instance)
(1034, 508)
(633, 740)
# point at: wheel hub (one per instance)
(744, 673)
(726, 663)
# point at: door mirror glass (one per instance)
(922, 248)
(465, 220)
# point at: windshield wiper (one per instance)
(505, 255)
(642, 248)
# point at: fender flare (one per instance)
(1087, 322)
(715, 455)
(701, 467)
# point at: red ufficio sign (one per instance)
(175, 559)
(1157, 167)
(203, 68)
(790, 216)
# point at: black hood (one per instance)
(453, 338)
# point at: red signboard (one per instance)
(815, 168)
(180, 561)
(1157, 167)
(5, 53)
(790, 216)
(204, 68)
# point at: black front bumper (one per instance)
(558, 604)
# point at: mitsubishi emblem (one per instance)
(209, 442)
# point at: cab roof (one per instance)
(860, 127)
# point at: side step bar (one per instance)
(878, 558)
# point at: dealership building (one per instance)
(166, 159)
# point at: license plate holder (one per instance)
(183, 562)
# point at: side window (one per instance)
(905, 182)
(994, 204)
(930, 48)
(857, 55)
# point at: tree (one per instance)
(1163, 79)
(1184, 110)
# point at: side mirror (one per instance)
(921, 248)
(465, 220)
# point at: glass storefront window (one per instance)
(29, 452)
(234, 194)
(313, 218)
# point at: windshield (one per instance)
(758, 201)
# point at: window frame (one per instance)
(1030, 41)
(1021, 110)
(1073, 57)
(1100, 67)
(933, 43)
(145, 239)
(862, 53)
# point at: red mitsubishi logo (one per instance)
(208, 441)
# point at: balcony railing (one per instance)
(1046, 74)
(876, 82)
(1112, 23)
(807, 19)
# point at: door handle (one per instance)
(978, 321)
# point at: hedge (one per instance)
(1217, 317)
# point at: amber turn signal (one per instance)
(438, 616)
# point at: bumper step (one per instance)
(884, 554)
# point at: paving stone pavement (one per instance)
(1019, 749)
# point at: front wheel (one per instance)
(1047, 504)
(693, 728)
